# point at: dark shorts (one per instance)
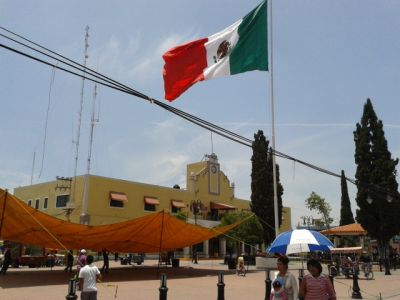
(89, 295)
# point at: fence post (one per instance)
(268, 283)
(163, 287)
(71, 290)
(221, 286)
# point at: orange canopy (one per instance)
(351, 229)
(153, 233)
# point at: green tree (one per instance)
(180, 215)
(377, 188)
(319, 204)
(249, 232)
(346, 215)
(262, 192)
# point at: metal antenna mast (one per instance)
(78, 135)
(93, 122)
(84, 218)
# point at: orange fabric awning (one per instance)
(178, 204)
(220, 206)
(152, 233)
(351, 229)
(151, 201)
(118, 196)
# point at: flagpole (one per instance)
(273, 125)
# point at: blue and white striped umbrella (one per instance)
(298, 241)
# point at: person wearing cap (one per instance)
(81, 260)
(278, 293)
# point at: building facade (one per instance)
(96, 200)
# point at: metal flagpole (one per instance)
(273, 125)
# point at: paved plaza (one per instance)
(189, 281)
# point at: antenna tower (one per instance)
(78, 135)
(93, 122)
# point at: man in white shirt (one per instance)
(88, 276)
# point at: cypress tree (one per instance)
(346, 215)
(377, 189)
(262, 193)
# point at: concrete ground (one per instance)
(187, 282)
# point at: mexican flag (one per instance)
(239, 48)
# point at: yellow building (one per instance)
(96, 200)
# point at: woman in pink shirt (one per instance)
(316, 286)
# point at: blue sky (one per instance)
(329, 57)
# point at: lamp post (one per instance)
(196, 209)
(389, 200)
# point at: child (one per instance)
(278, 292)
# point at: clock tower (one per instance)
(213, 174)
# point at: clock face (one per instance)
(213, 169)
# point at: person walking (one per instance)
(106, 261)
(6, 260)
(88, 276)
(194, 255)
(316, 286)
(289, 280)
(69, 261)
(81, 260)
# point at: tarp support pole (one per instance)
(4, 210)
(161, 236)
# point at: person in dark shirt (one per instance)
(106, 262)
(69, 262)
(6, 261)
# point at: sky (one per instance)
(328, 58)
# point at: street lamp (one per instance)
(389, 200)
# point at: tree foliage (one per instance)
(346, 215)
(317, 203)
(262, 190)
(250, 231)
(180, 215)
(375, 179)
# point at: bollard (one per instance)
(330, 274)
(163, 287)
(268, 283)
(71, 290)
(301, 275)
(356, 289)
(221, 286)
(387, 267)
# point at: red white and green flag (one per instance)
(239, 48)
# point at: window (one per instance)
(150, 203)
(37, 203)
(177, 205)
(117, 199)
(30, 202)
(62, 200)
(46, 203)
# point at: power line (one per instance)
(101, 79)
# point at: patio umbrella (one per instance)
(298, 241)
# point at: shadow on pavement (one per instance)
(45, 277)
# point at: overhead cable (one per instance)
(101, 79)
